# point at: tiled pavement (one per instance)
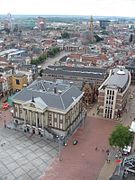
(22, 158)
(82, 161)
(126, 119)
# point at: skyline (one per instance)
(63, 7)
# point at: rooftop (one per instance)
(119, 78)
(55, 95)
(97, 73)
(19, 75)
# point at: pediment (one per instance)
(37, 104)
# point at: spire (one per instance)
(91, 24)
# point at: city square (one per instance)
(23, 157)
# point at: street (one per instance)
(51, 61)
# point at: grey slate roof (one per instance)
(118, 80)
(79, 69)
(96, 73)
(59, 100)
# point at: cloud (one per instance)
(69, 7)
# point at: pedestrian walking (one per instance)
(108, 160)
(107, 152)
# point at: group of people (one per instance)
(107, 153)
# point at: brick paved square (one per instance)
(81, 161)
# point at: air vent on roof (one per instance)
(120, 72)
(59, 91)
(73, 98)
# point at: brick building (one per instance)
(113, 93)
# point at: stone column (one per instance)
(36, 129)
(24, 117)
(36, 120)
(42, 118)
(30, 118)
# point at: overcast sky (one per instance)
(69, 7)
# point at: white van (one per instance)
(126, 150)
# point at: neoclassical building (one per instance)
(113, 93)
(48, 107)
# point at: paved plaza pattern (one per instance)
(23, 157)
(82, 161)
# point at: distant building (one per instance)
(113, 93)
(19, 81)
(104, 23)
(41, 23)
(131, 68)
(90, 74)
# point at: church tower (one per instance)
(91, 29)
(91, 24)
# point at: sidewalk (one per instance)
(126, 119)
(107, 171)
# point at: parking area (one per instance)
(23, 157)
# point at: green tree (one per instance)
(120, 137)
(65, 35)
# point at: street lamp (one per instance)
(60, 138)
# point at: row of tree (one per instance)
(51, 53)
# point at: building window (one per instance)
(61, 121)
(17, 81)
(61, 117)
(50, 119)
(50, 116)
(55, 119)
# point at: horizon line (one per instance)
(66, 15)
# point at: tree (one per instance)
(65, 35)
(120, 137)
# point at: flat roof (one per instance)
(2, 53)
(16, 52)
(118, 78)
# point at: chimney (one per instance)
(55, 89)
(32, 99)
